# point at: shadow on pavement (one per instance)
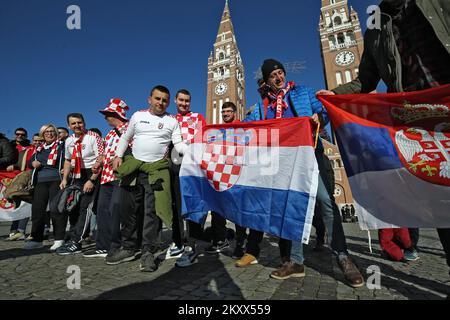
(206, 279)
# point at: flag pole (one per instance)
(317, 135)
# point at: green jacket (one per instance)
(381, 59)
(158, 178)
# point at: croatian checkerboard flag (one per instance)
(396, 152)
(8, 211)
(262, 175)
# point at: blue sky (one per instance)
(124, 48)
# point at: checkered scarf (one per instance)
(111, 142)
(278, 102)
(53, 156)
(75, 161)
(190, 124)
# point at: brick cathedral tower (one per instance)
(341, 42)
(225, 72)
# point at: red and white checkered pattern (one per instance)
(53, 156)
(190, 124)
(222, 164)
(111, 143)
(117, 106)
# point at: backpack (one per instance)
(20, 188)
(66, 200)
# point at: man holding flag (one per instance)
(409, 52)
(287, 100)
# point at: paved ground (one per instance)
(43, 275)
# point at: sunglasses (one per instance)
(21, 134)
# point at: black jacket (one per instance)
(8, 154)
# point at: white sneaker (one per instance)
(57, 244)
(30, 245)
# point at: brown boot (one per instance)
(351, 272)
(289, 270)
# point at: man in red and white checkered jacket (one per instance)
(190, 124)
(108, 214)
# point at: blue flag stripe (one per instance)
(366, 149)
(277, 212)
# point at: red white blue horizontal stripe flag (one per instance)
(396, 152)
(262, 175)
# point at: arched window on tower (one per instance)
(348, 76)
(337, 21)
(332, 41)
(338, 78)
(221, 71)
(341, 38)
(351, 35)
(221, 56)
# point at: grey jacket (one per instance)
(381, 59)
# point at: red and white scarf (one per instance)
(53, 156)
(278, 102)
(111, 143)
(75, 161)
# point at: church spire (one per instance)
(225, 23)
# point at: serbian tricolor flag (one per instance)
(8, 211)
(262, 175)
(396, 152)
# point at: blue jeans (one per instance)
(19, 225)
(330, 214)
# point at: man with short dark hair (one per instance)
(83, 150)
(63, 133)
(152, 131)
(218, 223)
(190, 123)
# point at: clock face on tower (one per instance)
(345, 58)
(221, 88)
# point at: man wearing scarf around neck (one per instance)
(84, 150)
(284, 100)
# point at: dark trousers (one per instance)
(219, 227)
(241, 235)
(253, 241)
(43, 192)
(139, 201)
(444, 236)
(255, 238)
(80, 216)
(414, 235)
(108, 217)
(178, 236)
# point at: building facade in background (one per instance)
(225, 72)
(341, 46)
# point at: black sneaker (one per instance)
(70, 247)
(123, 255)
(148, 263)
(238, 252)
(95, 253)
(218, 247)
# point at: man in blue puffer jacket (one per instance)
(284, 100)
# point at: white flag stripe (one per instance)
(265, 167)
(411, 203)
